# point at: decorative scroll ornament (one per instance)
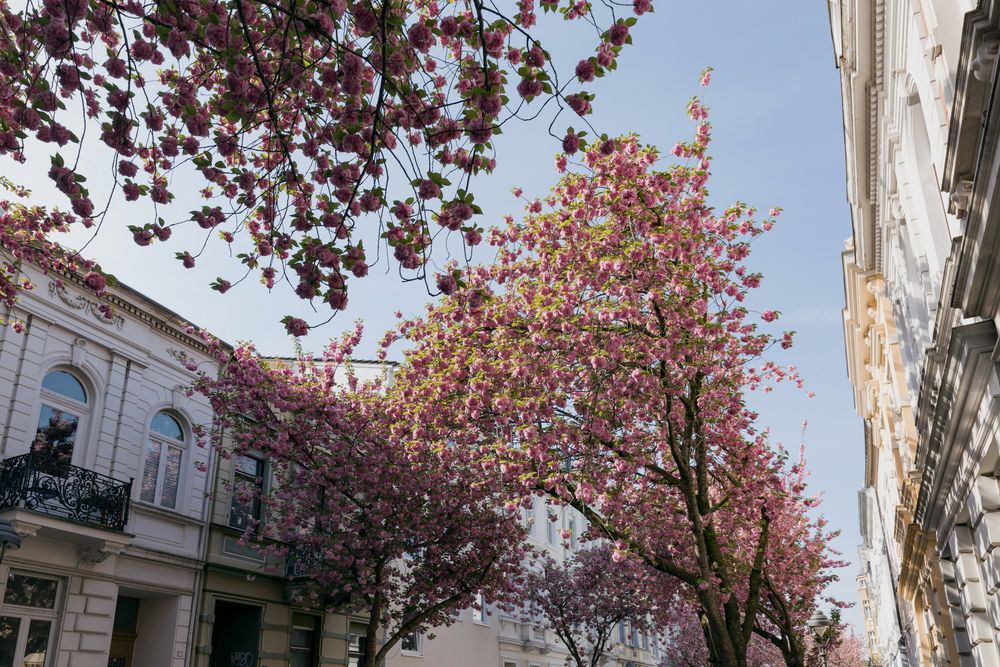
(961, 198)
(986, 59)
(180, 356)
(83, 303)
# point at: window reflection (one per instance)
(37, 644)
(9, 626)
(56, 434)
(27, 591)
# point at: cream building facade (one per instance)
(922, 287)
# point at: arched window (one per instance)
(64, 410)
(161, 473)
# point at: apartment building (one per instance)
(919, 86)
(131, 553)
(489, 637)
(101, 478)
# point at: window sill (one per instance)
(164, 512)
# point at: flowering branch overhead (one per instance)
(306, 126)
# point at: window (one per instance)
(26, 620)
(356, 645)
(479, 610)
(573, 542)
(411, 643)
(550, 527)
(61, 417)
(621, 632)
(303, 640)
(162, 470)
(248, 485)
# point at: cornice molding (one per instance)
(119, 304)
(947, 453)
(874, 119)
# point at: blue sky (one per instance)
(778, 141)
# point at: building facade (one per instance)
(488, 637)
(871, 633)
(130, 551)
(101, 478)
(919, 85)
(248, 617)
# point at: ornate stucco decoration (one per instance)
(83, 303)
(961, 197)
(98, 553)
(985, 60)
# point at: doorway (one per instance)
(123, 635)
(235, 634)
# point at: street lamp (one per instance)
(9, 539)
(819, 625)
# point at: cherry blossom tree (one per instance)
(685, 642)
(801, 567)
(24, 237)
(368, 528)
(302, 124)
(849, 651)
(604, 359)
(843, 648)
(585, 597)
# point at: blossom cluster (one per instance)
(401, 538)
(604, 360)
(293, 115)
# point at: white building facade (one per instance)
(879, 603)
(920, 93)
(495, 638)
(102, 479)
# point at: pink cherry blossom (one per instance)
(288, 115)
(604, 359)
(398, 537)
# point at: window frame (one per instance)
(165, 443)
(550, 526)
(27, 614)
(480, 616)
(63, 403)
(313, 651)
(418, 639)
(356, 649)
(262, 486)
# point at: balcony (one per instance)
(50, 486)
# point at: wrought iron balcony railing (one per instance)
(51, 486)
